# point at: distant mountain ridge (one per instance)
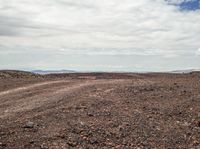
(43, 72)
(52, 71)
(186, 71)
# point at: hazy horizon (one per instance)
(100, 35)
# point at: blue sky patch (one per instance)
(186, 5)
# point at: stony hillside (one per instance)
(17, 74)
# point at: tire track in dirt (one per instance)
(28, 103)
(30, 87)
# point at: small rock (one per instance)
(90, 114)
(198, 123)
(43, 146)
(29, 125)
(2, 133)
(2, 145)
(82, 123)
(93, 141)
(196, 143)
(121, 128)
(71, 143)
(32, 142)
(186, 124)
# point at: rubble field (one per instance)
(99, 110)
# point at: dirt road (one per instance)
(33, 96)
(152, 112)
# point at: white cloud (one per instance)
(98, 27)
(198, 52)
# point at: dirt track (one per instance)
(153, 111)
(36, 95)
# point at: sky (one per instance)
(100, 35)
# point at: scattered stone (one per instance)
(29, 125)
(72, 143)
(184, 91)
(186, 124)
(32, 142)
(93, 141)
(90, 114)
(198, 123)
(44, 146)
(196, 143)
(2, 133)
(126, 118)
(2, 145)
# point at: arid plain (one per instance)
(99, 110)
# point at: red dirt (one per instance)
(100, 111)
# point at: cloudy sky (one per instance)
(100, 35)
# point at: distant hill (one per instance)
(70, 73)
(186, 71)
(43, 72)
(17, 74)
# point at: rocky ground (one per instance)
(119, 111)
